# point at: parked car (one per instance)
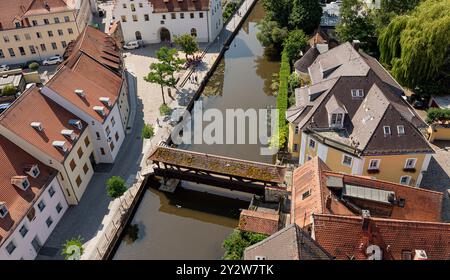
(52, 60)
(4, 68)
(131, 45)
(418, 104)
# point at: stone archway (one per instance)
(164, 34)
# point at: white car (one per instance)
(131, 45)
(52, 60)
(4, 68)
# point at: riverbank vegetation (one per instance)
(228, 10)
(237, 241)
(438, 115)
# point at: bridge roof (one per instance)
(219, 164)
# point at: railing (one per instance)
(111, 233)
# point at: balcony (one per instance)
(373, 170)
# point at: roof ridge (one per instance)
(383, 181)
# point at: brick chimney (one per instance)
(366, 219)
(356, 44)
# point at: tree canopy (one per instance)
(187, 43)
(305, 15)
(271, 34)
(237, 241)
(294, 43)
(357, 24)
(115, 186)
(417, 46)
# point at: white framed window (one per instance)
(312, 144)
(337, 119)
(387, 130)
(410, 163)
(347, 160)
(357, 93)
(374, 164)
(51, 191)
(23, 230)
(401, 130)
(404, 180)
(41, 205)
(10, 247)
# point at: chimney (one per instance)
(366, 219)
(356, 44)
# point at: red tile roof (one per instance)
(420, 204)
(18, 202)
(259, 222)
(19, 9)
(161, 6)
(98, 46)
(345, 238)
(309, 177)
(32, 106)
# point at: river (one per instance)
(190, 224)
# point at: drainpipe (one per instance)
(207, 21)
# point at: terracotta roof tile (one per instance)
(160, 6)
(32, 106)
(18, 202)
(345, 238)
(259, 222)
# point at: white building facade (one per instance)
(33, 230)
(156, 21)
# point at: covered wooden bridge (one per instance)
(230, 173)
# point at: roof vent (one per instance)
(420, 255)
(32, 170)
(80, 93)
(21, 182)
(37, 126)
(76, 123)
(105, 101)
(60, 145)
(69, 134)
(3, 209)
(100, 110)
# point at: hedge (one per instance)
(437, 114)
(282, 100)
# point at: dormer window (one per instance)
(76, 123)
(357, 93)
(80, 93)
(105, 101)
(387, 130)
(400, 130)
(61, 145)
(100, 110)
(3, 209)
(69, 134)
(337, 120)
(33, 171)
(37, 126)
(20, 182)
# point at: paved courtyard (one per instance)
(437, 178)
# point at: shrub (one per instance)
(237, 241)
(229, 9)
(33, 66)
(148, 131)
(8, 90)
(164, 110)
(72, 249)
(115, 186)
(437, 114)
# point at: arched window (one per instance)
(194, 32)
(138, 35)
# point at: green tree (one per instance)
(271, 34)
(305, 15)
(294, 43)
(115, 187)
(33, 66)
(277, 10)
(8, 90)
(164, 110)
(72, 249)
(162, 72)
(438, 114)
(148, 131)
(417, 46)
(229, 10)
(391, 8)
(357, 24)
(187, 43)
(237, 241)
